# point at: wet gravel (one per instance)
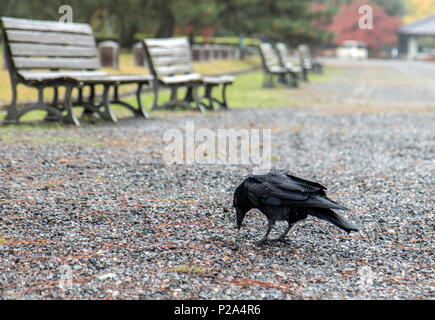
(99, 205)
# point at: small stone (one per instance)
(107, 276)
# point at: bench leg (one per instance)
(90, 109)
(294, 76)
(107, 113)
(212, 101)
(209, 97)
(266, 82)
(193, 97)
(141, 111)
(50, 115)
(190, 101)
(70, 116)
(12, 115)
(55, 101)
(174, 98)
(198, 105)
(224, 103)
(305, 74)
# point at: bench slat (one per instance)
(283, 52)
(24, 24)
(53, 75)
(169, 56)
(175, 60)
(218, 79)
(55, 63)
(181, 79)
(167, 42)
(50, 38)
(157, 52)
(113, 79)
(167, 70)
(269, 56)
(43, 50)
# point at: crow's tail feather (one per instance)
(332, 217)
(321, 201)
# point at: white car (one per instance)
(351, 49)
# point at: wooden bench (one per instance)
(170, 62)
(43, 54)
(272, 68)
(286, 62)
(308, 61)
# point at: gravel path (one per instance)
(99, 203)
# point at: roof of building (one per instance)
(425, 26)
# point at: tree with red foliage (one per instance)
(345, 25)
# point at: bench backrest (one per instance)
(283, 54)
(35, 44)
(305, 55)
(169, 56)
(269, 57)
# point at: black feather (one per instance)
(282, 196)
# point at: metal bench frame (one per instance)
(308, 61)
(272, 69)
(38, 45)
(170, 62)
(285, 61)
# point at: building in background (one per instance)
(417, 40)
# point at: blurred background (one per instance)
(327, 24)
(102, 200)
(225, 35)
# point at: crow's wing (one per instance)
(304, 184)
(276, 190)
(289, 182)
(261, 191)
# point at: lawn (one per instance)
(246, 92)
(27, 94)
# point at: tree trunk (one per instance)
(167, 23)
(126, 34)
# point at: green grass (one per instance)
(247, 91)
(26, 94)
(32, 120)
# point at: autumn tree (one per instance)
(391, 7)
(287, 20)
(345, 26)
(419, 9)
(278, 20)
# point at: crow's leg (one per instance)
(237, 240)
(271, 223)
(282, 237)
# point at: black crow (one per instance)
(281, 196)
